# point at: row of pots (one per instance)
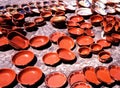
(31, 75)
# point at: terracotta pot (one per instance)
(4, 20)
(104, 56)
(76, 76)
(89, 32)
(96, 19)
(77, 18)
(84, 40)
(39, 21)
(85, 25)
(46, 15)
(109, 38)
(17, 40)
(56, 35)
(23, 58)
(29, 26)
(60, 13)
(72, 24)
(51, 58)
(90, 71)
(103, 75)
(116, 37)
(3, 43)
(66, 55)
(61, 7)
(29, 76)
(7, 76)
(66, 42)
(84, 51)
(39, 41)
(55, 80)
(108, 28)
(81, 85)
(109, 17)
(96, 48)
(75, 31)
(114, 72)
(104, 43)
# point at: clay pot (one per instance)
(103, 75)
(89, 32)
(7, 76)
(5, 19)
(109, 18)
(104, 56)
(66, 42)
(66, 55)
(116, 37)
(81, 85)
(90, 71)
(29, 76)
(96, 19)
(108, 28)
(46, 15)
(75, 31)
(84, 51)
(72, 24)
(39, 21)
(3, 43)
(60, 13)
(104, 43)
(109, 38)
(23, 58)
(96, 48)
(55, 80)
(114, 72)
(61, 7)
(51, 58)
(86, 25)
(56, 35)
(17, 40)
(84, 40)
(39, 41)
(29, 26)
(76, 76)
(77, 18)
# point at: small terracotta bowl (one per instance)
(29, 76)
(108, 28)
(29, 26)
(55, 80)
(109, 38)
(7, 76)
(76, 76)
(84, 51)
(23, 58)
(77, 18)
(17, 40)
(104, 43)
(85, 40)
(3, 43)
(96, 48)
(114, 72)
(90, 71)
(51, 58)
(104, 56)
(96, 19)
(66, 42)
(109, 18)
(89, 32)
(72, 24)
(116, 37)
(81, 85)
(85, 25)
(18, 17)
(46, 15)
(103, 75)
(66, 55)
(56, 35)
(39, 41)
(74, 31)
(60, 13)
(39, 21)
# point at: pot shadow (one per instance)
(32, 29)
(40, 25)
(22, 32)
(21, 49)
(12, 85)
(6, 48)
(70, 62)
(55, 65)
(61, 26)
(96, 86)
(109, 86)
(115, 44)
(88, 56)
(110, 60)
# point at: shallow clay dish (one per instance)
(115, 72)
(86, 25)
(108, 28)
(56, 35)
(77, 18)
(39, 21)
(96, 48)
(29, 75)
(116, 37)
(18, 17)
(76, 76)
(103, 75)
(81, 85)
(17, 40)
(84, 51)
(46, 15)
(84, 40)
(104, 56)
(23, 58)
(66, 42)
(3, 42)
(88, 72)
(55, 80)
(104, 43)
(7, 77)
(29, 26)
(72, 24)
(51, 58)
(60, 13)
(66, 55)
(39, 41)
(89, 32)
(74, 31)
